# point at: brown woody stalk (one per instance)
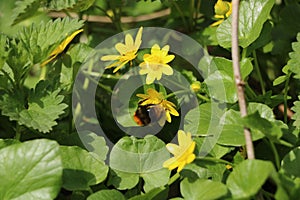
(237, 75)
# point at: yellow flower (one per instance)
(155, 98)
(155, 64)
(183, 152)
(196, 86)
(127, 51)
(223, 10)
(61, 47)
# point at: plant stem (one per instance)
(192, 11)
(261, 81)
(275, 152)
(181, 14)
(286, 85)
(18, 132)
(217, 160)
(173, 178)
(237, 75)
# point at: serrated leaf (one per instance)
(106, 195)
(30, 170)
(294, 62)
(11, 105)
(291, 164)
(42, 39)
(202, 189)
(71, 5)
(252, 15)
(81, 168)
(243, 183)
(3, 50)
(25, 9)
(296, 116)
(44, 107)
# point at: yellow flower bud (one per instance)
(222, 7)
(196, 86)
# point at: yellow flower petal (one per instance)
(173, 148)
(61, 47)
(127, 51)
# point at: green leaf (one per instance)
(44, 107)
(106, 195)
(25, 9)
(7, 142)
(122, 180)
(243, 183)
(95, 144)
(269, 129)
(11, 105)
(296, 116)
(221, 83)
(71, 5)
(202, 189)
(30, 170)
(294, 62)
(154, 194)
(141, 155)
(252, 15)
(155, 179)
(203, 169)
(4, 51)
(42, 39)
(233, 128)
(81, 168)
(144, 158)
(290, 165)
(279, 80)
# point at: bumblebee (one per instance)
(148, 114)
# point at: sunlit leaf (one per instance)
(30, 170)
(202, 189)
(106, 195)
(252, 15)
(243, 183)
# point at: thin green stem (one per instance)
(174, 178)
(177, 93)
(257, 69)
(181, 14)
(18, 132)
(191, 17)
(216, 160)
(286, 88)
(244, 53)
(200, 96)
(250, 92)
(276, 155)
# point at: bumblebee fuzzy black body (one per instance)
(151, 113)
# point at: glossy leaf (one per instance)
(233, 127)
(154, 194)
(81, 168)
(122, 180)
(243, 183)
(202, 189)
(252, 16)
(30, 170)
(221, 84)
